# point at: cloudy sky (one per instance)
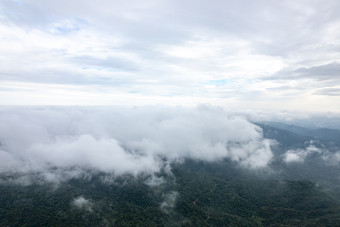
(235, 54)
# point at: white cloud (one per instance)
(82, 203)
(295, 156)
(118, 141)
(299, 155)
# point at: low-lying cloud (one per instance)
(119, 140)
(82, 203)
(299, 155)
(169, 200)
(328, 156)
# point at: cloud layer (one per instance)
(282, 54)
(120, 141)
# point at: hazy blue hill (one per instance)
(288, 127)
(287, 139)
(319, 133)
(326, 134)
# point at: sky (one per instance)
(245, 54)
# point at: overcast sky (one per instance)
(236, 54)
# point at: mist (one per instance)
(67, 142)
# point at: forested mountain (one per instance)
(296, 190)
(318, 133)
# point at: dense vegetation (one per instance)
(208, 194)
(197, 194)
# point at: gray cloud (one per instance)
(326, 72)
(51, 142)
(112, 63)
(322, 72)
(328, 91)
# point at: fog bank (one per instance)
(121, 140)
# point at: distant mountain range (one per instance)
(319, 133)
